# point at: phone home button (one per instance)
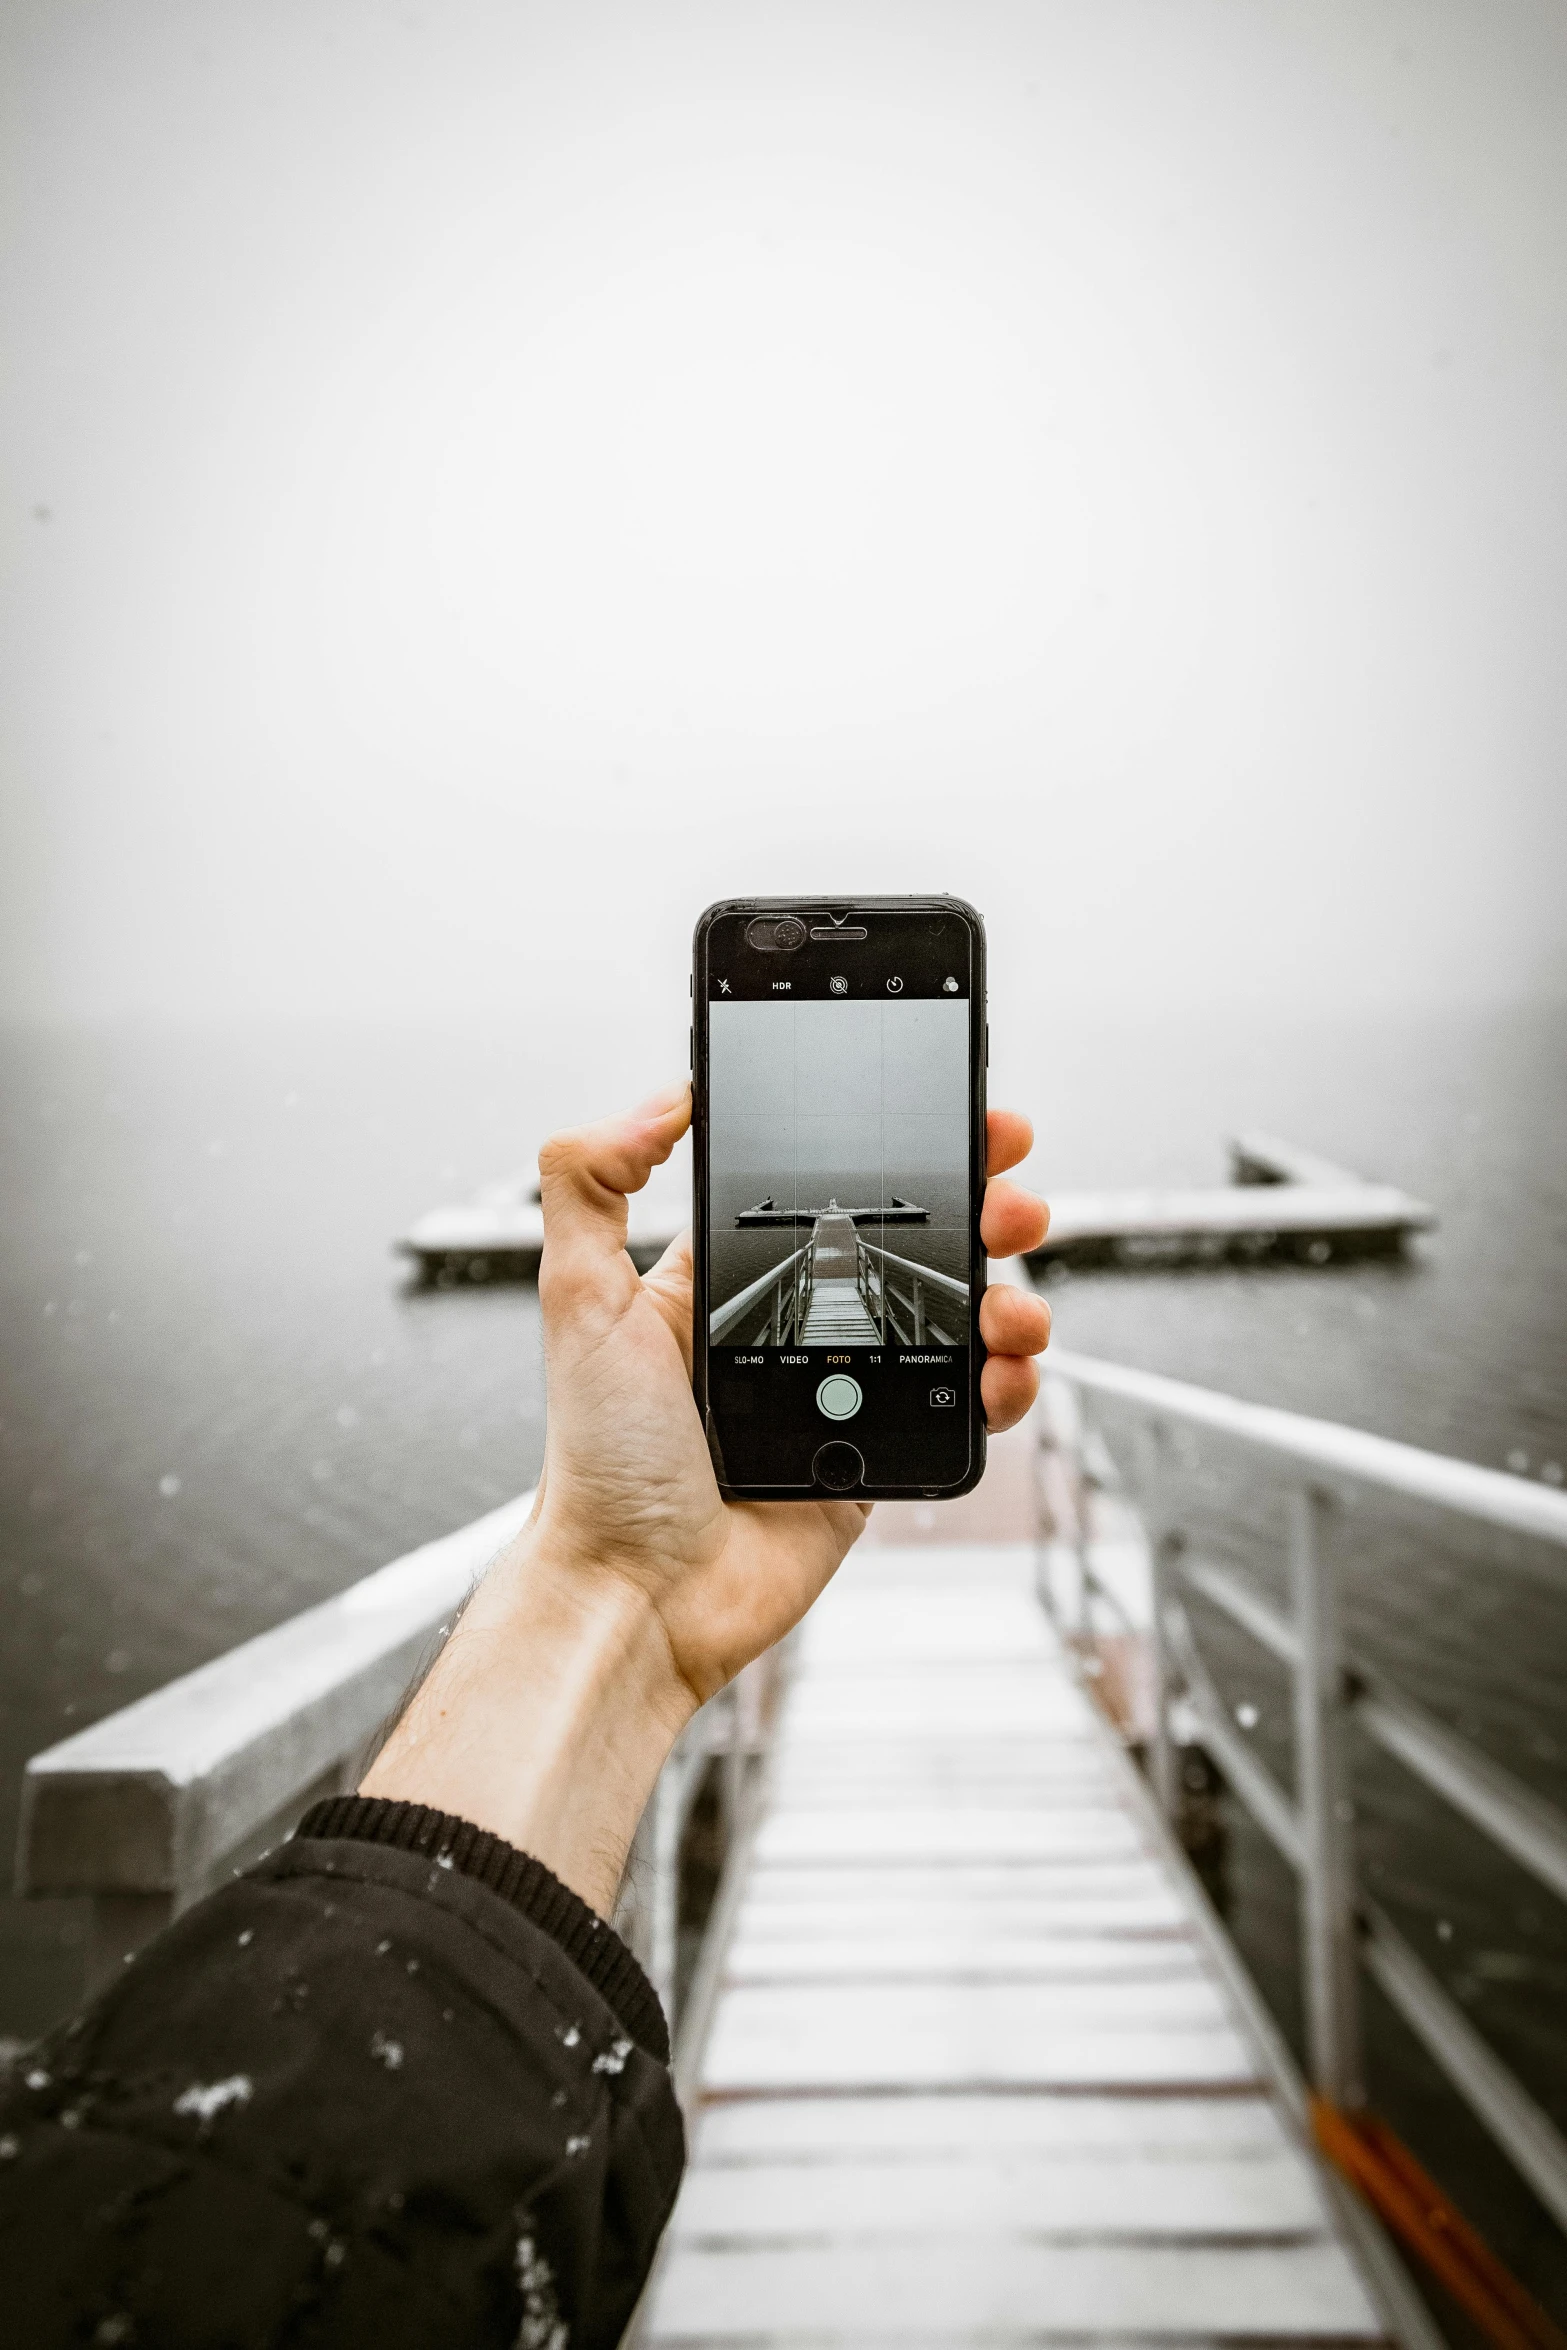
(839, 1467)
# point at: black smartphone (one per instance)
(838, 1058)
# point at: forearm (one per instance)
(547, 1717)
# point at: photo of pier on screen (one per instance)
(838, 1174)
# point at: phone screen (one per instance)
(840, 1198)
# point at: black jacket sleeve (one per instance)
(395, 2086)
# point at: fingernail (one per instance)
(658, 1105)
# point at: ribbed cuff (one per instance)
(594, 1948)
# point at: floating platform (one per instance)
(1281, 1204)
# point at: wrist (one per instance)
(547, 1716)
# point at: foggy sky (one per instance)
(813, 1098)
(483, 482)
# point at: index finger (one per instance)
(1009, 1137)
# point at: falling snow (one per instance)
(542, 2326)
(206, 2099)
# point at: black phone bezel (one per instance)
(808, 907)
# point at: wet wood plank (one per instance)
(1010, 2191)
(949, 1831)
(967, 1953)
(1170, 2129)
(1170, 2031)
(911, 2289)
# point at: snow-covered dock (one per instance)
(1281, 1202)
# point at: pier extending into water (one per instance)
(841, 1289)
(966, 2053)
(1280, 1204)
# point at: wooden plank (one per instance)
(853, 1678)
(1086, 1785)
(920, 2036)
(968, 1707)
(938, 1561)
(1003, 1927)
(938, 1763)
(952, 1832)
(984, 2192)
(937, 1626)
(912, 2289)
(947, 1771)
(1024, 1898)
(974, 1956)
(1172, 2129)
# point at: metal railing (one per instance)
(1153, 1423)
(150, 1808)
(889, 1284)
(784, 1297)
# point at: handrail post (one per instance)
(1082, 1551)
(1165, 1544)
(1329, 1959)
(663, 1940)
(919, 1311)
(1163, 1552)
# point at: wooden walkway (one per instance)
(970, 2075)
(836, 1316)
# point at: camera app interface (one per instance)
(839, 1221)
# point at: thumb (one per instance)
(585, 1174)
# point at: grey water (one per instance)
(222, 1399)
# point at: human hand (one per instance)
(636, 1591)
(628, 1478)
